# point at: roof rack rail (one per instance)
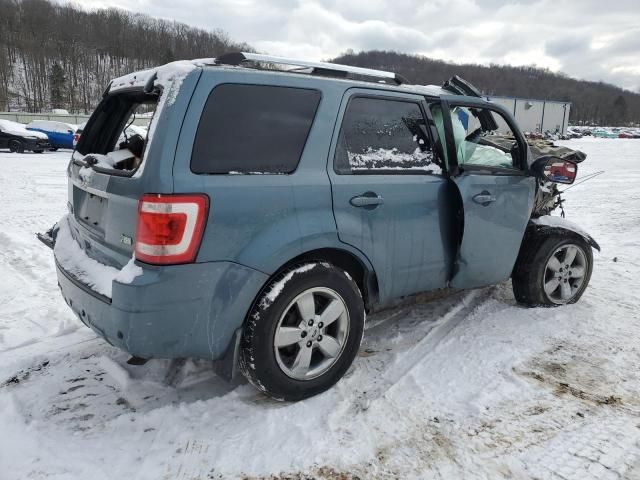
(317, 68)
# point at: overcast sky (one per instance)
(590, 39)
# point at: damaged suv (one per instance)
(267, 209)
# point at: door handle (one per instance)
(484, 198)
(368, 199)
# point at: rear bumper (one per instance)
(169, 312)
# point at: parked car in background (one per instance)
(60, 134)
(270, 210)
(78, 132)
(602, 133)
(127, 133)
(17, 138)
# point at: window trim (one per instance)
(418, 100)
(475, 169)
(255, 84)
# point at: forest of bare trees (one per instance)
(594, 103)
(59, 56)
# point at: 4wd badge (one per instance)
(125, 239)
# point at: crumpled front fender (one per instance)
(550, 222)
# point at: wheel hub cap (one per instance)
(564, 273)
(311, 333)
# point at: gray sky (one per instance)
(590, 39)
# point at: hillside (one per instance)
(593, 102)
(60, 56)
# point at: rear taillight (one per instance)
(170, 228)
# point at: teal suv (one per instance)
(272, 202)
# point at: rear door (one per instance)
(103, 197)
(488, 164)
(389, 191)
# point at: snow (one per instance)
(96, 275)
(555, 221)
(51, 126)
(277, 288)
(14, 128)
(468, 385)
(75, 261)
(129, 272)
(393, 159)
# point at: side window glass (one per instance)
(383, 135)
(482, 137)
(253, 129)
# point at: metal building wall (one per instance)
(535, 115)
(529, 115)
(556, 117)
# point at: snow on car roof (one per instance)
(171, 72)
(15, 128)
(51, 125)
(165, 74)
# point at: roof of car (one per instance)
(365, 78)
(429, 90)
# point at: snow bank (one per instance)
(89, 271)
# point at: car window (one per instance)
(384, 135)
(253, 129)
(482, 138)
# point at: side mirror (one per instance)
(555, 169)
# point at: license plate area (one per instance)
(90, 209)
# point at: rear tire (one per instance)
(552, 269)
(16, 146)
(303, 332)
(53, 149)
(38, 151)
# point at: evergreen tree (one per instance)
(57, 85)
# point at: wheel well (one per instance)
(365, 279)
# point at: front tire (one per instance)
(552, 269)
(303, 332)
(16, 146)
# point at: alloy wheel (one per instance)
(311, 333)
(564, 273)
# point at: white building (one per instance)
(536, 115)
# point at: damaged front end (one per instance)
(549, 196)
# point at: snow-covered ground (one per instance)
(468, 386)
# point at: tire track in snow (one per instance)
(399, 367)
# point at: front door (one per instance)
(490, 172)
(389, 191)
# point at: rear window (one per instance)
(116, 134)
(253, 129)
